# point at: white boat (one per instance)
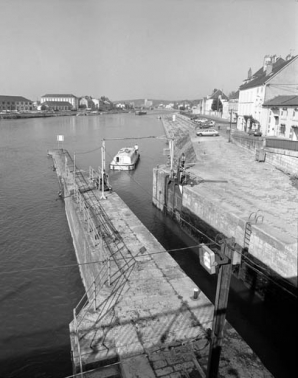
(126, 159)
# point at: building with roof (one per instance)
(86, 103)
(276, 77)
(233, 106)
(214, 104)
(56, 105)
(15, 103)
(281, 113)
(73, 100)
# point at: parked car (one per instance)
(211, 123)
(207, 132)
(254, 132)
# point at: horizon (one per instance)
(162, 49)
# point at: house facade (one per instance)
(15, 103)
(73, 100)
(233, 106)
(281, 114)
(95, 102)
(275, 77)
(214, 104)
(86, 103)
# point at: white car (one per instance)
(207, 132)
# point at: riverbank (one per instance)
(39, 114)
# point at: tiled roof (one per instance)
(14, 99)
(260, 76)
(59, 95)
(56, 103)
(218, 93)
(282, 101)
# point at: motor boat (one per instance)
(126, 159)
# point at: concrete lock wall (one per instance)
(278, 252)
(159, 187)
(275, 252)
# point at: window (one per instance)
(282, 129)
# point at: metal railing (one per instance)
(283, 144)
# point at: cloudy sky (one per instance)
(128, 49)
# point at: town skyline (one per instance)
(169, 50)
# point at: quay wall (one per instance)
(78, 229)
(276, 253)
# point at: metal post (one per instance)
(77, 340)
(220, 308)
(172, 149)
(109, 271)
(103, 160)
(66, 165)
(94, 303)
(74, 167)
(230, 126)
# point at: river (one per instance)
(39, 281)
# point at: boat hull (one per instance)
(122, 167)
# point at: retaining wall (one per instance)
(286, 161)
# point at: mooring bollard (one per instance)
(195, 293)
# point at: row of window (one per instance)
(12, 107)
(68, 99)
(15, 103)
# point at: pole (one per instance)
(103, 168)
(172, 149)
(230, 126)
(74, 168)
(94, 288)
(220, 308)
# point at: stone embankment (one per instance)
(139, 317)
(239, 197)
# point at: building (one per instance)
(73, 100)
(276, 77)
(214, 103)
(95, 102)
(56, 105)
(233, 106)
(15, 103)
(281, 113)
(86, 103)
(148, 103)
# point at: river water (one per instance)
(39, 281)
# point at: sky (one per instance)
(131, 49)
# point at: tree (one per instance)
(232, 94)
(216, 105)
